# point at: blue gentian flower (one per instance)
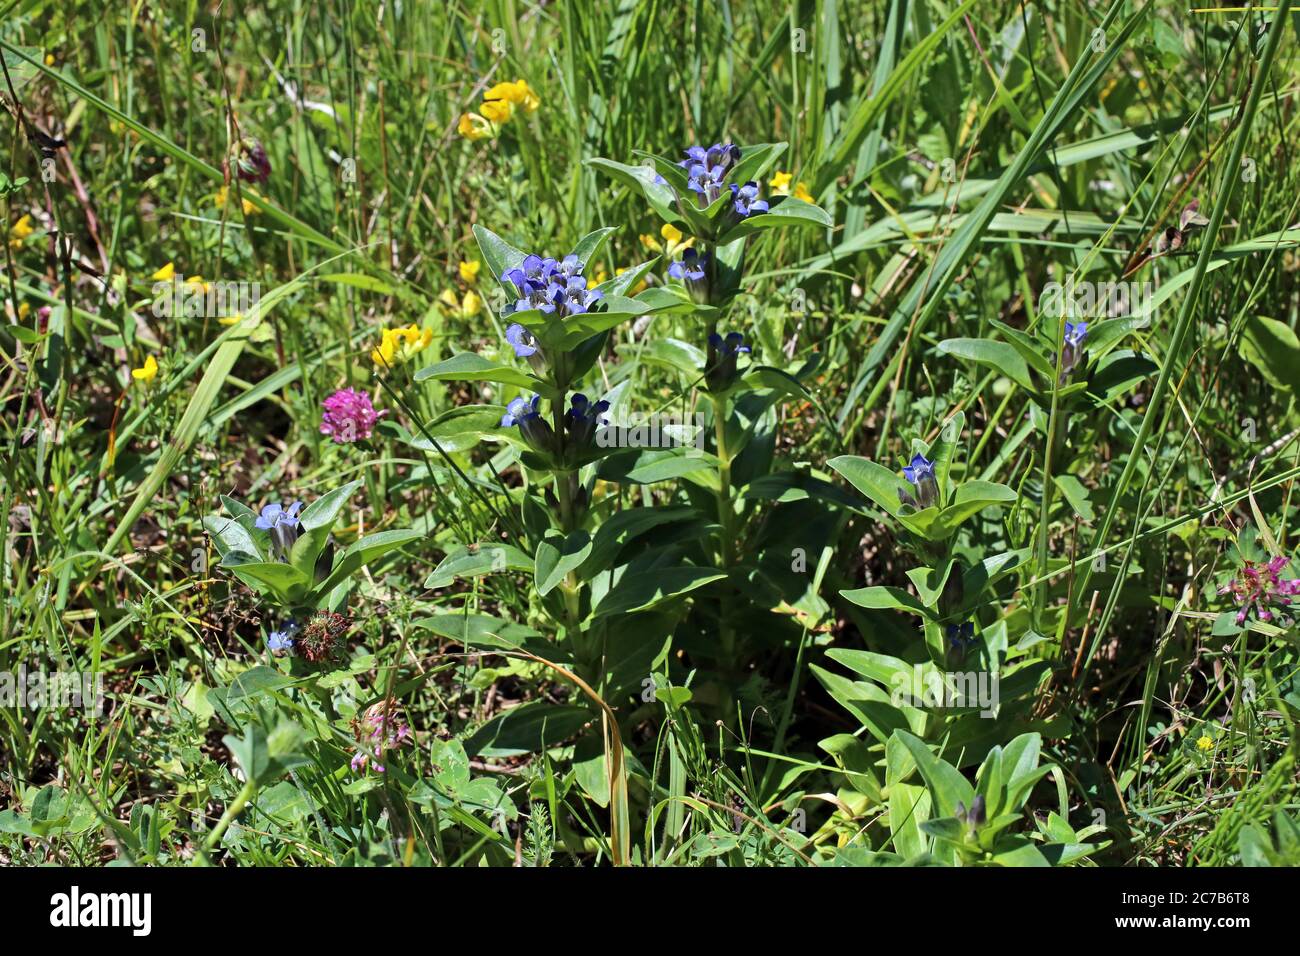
(280, 642)
(282, 522)
(924, 483)
(690, 267)
(1076, 334)
(526, 413)
(746, 201)
(574, 298)
(519, 409)
(691, 270)
(720, 359)
(521, 340)
(569, 266)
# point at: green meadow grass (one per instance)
(968, 156)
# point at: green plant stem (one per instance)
(726, 516)
(233, 809)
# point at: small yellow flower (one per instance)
(49, 59)
(469, 271)
(1205, 743)
(197, 282)
(466, 308)
(221, 196)
(231, 319)
(165, 274)
(518, 93)
(147, 371)
(780, 184)
(24, 310)
(496, 111)
(600, 276)
(474, 127)
(672, 244)
(398, 345)
(20, 231)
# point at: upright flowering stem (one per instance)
(726, 518)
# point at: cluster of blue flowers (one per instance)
(707, 171)
(581, 420)
(551, 287)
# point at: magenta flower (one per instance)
(1262, 588)
(349, 416)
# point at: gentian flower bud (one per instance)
(582, 419)
(720, 359)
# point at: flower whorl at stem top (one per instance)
(550, 287)
(1262, 588)
(925, 486)
(707, 169)
(282, 522)
(349, 416)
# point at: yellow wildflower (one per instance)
(20, 231)
(518, 93)
(49, 59)
(221, 196)
(1204, 743)
(165, 274)
(197, 282)
(231, 319)
(474, 127)
(780, 184)
(600, 276)
(147, 371)
(496, 111)
(469, 271)
(672, 244)
(24, 310)
(398, 345)
(466, 308)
